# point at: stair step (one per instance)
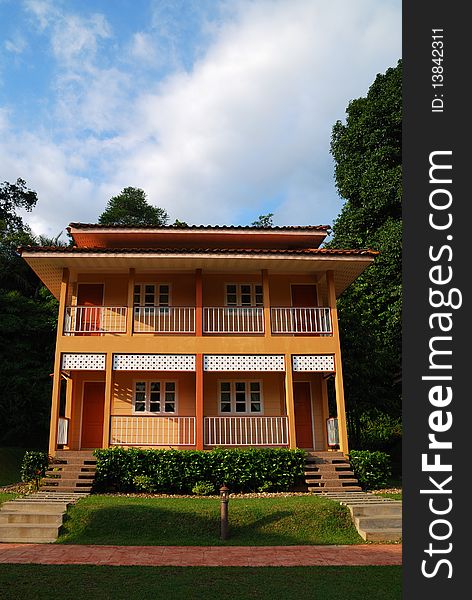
(371, 509)
(321, 490)
(19, 531)
(381, 535)
(53, 518)
(330, 482)
(36, 506)
(379, 522)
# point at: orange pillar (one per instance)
(130, 308)
(108, 399)
(56, 382)
(289, 401)
(338, 377)
(324, 409)
(198, 303)
(266, 298)
(199, 435)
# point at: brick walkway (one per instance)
(202, 556)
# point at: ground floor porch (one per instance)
(197, 408)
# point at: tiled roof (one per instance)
(303, 251)
(202, 227)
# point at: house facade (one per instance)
(196, 337)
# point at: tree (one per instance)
(367, 154)
(14, 196)
(264, 221)
(131, 207)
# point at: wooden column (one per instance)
(198, 303)
(338, 377)
(108, 399)
(324, 409)
(68, 408)
(56, 382)
(289, 401)
(266, 298)
(199, 416)
(130, 304)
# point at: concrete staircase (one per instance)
(377, 519)
(71, 472)
(329, 472)
(36, 518)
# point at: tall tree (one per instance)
(264, 221)
(131, 207)
(367, 153)
(28, 316)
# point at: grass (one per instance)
(46, 582)
(395, 496)
(284, 521)
(4, 497)
(10, 464)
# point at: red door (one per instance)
(92, 414)
(89, 297)
(303, 419)
(304, 297)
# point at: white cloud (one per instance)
(142, 47)
(246, 131)
(17, 45)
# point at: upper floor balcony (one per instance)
(216, 320)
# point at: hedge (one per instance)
(180, 471)
(372, 469)
(33, 466)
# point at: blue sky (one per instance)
(220, 110)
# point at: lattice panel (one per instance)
(243, 362)
(154, 362)
(83, 362)
(313, 362)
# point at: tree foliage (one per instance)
(131, 207)
(27, 327)
(264, 221)
(367, 152)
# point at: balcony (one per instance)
(95, 320)
(246, 431)
(236, 319)
(222, 320)
(152, 430)
(160, 319)
(307, 321)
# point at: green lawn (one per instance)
(138, 521)
(5, 497)
(10, 464)
(47, 582)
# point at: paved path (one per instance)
(203, 556)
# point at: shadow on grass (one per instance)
(197, 523)
(138, 525)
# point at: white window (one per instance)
(240, 397)
(244, 294)
(155, 397)
(151, 294)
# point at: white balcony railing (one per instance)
(62, 430)
(301, 320)
(152, 431)
(160, 319)
(246, 431)
(237, 319)
(95, 319)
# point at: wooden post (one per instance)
(130, 309)
(338, 377)
(266, 299)
(108, 399)
(324, 409)
(199, 416)
(198, 303)
(56, 382)
(289, 401)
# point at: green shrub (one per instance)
(33, 467)
(372, 469)
(144, 483)
(178, 471)
(203, 488)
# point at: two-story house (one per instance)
(196, 337)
